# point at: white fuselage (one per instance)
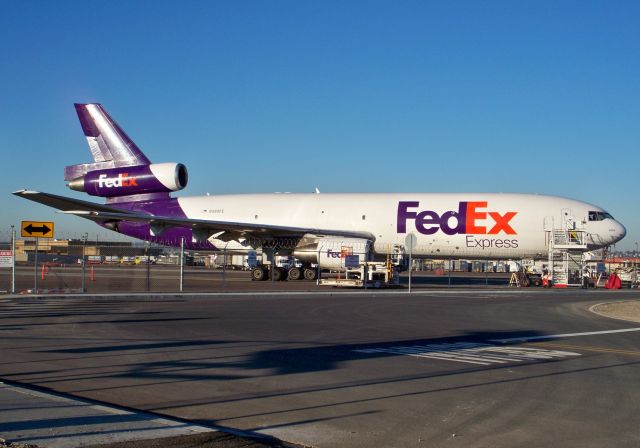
(447, 225)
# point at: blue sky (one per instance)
(524, 96)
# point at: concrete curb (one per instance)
(34, 416)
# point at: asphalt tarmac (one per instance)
(450, 367)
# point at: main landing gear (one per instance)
(294, 273)
(261, 273)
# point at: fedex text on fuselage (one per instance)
(472, 217)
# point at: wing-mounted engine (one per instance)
(132, 180)
(330, 252)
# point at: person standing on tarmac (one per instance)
(586, 275)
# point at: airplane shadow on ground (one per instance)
(255, 362)
(316, 359)
(215, 360)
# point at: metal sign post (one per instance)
(35, 269)
(410, 242)
(36, 229)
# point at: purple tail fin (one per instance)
(120, 172)
(110, 146)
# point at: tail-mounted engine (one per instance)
(130, 180)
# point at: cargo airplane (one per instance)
(316, 228)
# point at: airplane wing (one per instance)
(64, 203)
(225, 230)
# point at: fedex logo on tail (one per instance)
(471, 218)
(122, 180)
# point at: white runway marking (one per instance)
(563, 335)
(472, 353)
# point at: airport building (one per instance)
(71, 251)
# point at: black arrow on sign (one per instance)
(43, 229)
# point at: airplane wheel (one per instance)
(278, 274)
(295, 274)
(310, 274)
(258, 274)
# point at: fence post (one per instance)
(410, 266)
(224, 264)
(319, 269)
(486, 274)
(181, 262)
(13, 258)
(146, 249)
(273, 266)
(84, 261)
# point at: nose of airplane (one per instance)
(618, 232)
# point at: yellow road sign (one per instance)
(37, 229)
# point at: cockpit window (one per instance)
(599, 216)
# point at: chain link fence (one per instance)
(99, 266)
(110, 263)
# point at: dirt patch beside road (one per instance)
(5, 444)
(628, 310)
(203, 440)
